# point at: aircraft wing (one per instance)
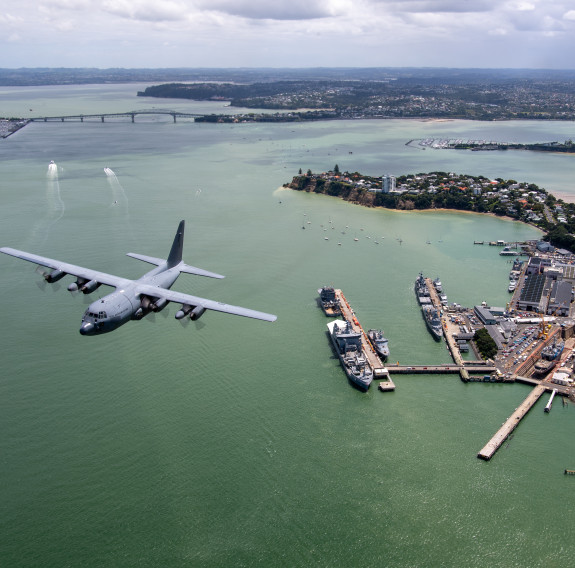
(78, 271)
(181, 298)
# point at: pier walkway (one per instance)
(510, 424)
(379, 369)
(447, 333)
(446, 368)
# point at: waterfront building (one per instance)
(544, 246)
(485, 315)
(388, 183)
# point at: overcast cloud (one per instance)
(287, 33)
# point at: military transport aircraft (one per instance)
(134, 299)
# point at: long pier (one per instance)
(540, 386)
(379, 370)
(451, 344)
(511, 423)
(469, 367)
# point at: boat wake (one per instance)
(118, 192)
(55, 207)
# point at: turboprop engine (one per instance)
(195, 313)
(54, 276)
(90, 286)
(84, 285)
(159, 305)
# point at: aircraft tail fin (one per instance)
(175, 256)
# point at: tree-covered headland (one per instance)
(522, 201)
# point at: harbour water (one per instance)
(232, 442)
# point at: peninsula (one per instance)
(473, 94)
(521, 201)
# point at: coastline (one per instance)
(431, 210)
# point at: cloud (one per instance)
(290, 33)
(146, 10)
(438, 6)
(274, 9)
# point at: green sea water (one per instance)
(233, 442)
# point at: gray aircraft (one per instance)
(134, 299)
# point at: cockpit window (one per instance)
(94, 315)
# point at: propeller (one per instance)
(41, 270)
(151, 317)
(45, 273)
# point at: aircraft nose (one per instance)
(87, 328)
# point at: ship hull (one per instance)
(434, 329)
(360, 375)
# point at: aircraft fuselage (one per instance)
(125, 304)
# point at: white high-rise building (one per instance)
(388, 183)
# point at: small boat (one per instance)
(437, 285)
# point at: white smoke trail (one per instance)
(55, 205)
(118, 192)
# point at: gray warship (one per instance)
(347, 344)
(328, 301)
(379, 342)
(433, 321)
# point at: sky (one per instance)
(288, 33)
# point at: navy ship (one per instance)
(433, 321)
(379, 342)
(421, 290)
(328, 301)
(553, 351)
(542, 368)
(347, 343)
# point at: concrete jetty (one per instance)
(511, 423)
(379, 370)
(548, 406)
(451, 344)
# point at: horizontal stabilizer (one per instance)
(148, 259)
(198, 271)
(181, 267)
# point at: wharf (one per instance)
(511, 423)
(451, 344)
(447, 368)
(379, 370)
(387, 384)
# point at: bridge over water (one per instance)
(102, 116)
